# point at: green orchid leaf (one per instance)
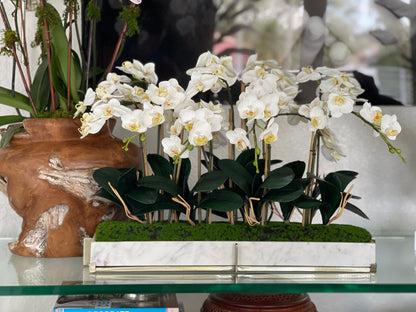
(341, 179)
(237, 173)
(10, 119)
(143, 195)
(7, 136)
(298, 168)
(286, 194)
(306, 202)
(16, 100)
(160, 183)
(138, 209)
(210, 181)
(326, 213)
(278, 178)
(246, 157)
(222, 200)
(286, 209)
(355, 210)
(330, 193)
(110, 196)
(104, 176)
(40, 89)
(59, 44)
(160, 165)
(127, 180)
(331, 198)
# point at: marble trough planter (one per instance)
(233, 257)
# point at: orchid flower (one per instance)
(174, 148)
(239, 138)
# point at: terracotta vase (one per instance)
(46, 172)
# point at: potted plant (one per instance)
(245, 188)
(46, 170)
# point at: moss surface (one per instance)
(274, 231)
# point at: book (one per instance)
(117, 303)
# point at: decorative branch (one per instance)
(68, 90)
(48, 51)
(16, 58)
(25, 50)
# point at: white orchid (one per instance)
(250, 107)
(139, 71)
(112, 108)
(136, 121)
(153, 113)
(167, 94)
(174, 147)
(211, 73)
(390, 126)
(269, 135)
(340, 104)
(90, 124)
(238, 137)
(331, 149)
(318, 117)
(371, 113)
(89, 100)
(200, 83)
(176, 128)
(200, 134)
(307, 74)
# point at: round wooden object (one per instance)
(258, 303)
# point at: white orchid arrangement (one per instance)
(246, 183)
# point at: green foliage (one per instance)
(93, 11)
(10, 132)
(9, 40)
(222, 231)
(232, 185)
(130, 16)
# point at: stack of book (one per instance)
(118, 303)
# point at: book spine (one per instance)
(116, 310)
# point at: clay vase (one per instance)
(46, 172)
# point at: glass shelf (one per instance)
(396, 272)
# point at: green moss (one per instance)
(274, 231)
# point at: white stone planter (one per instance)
(233, 257)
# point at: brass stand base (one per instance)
(258, 303)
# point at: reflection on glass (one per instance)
(372, 37)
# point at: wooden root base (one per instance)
(258, 303)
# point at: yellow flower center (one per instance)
(269, 138)
(260, 73)
(251, 113)
(219, 70)
(174, 152)
(163, 92)
(315, 122)
(133, 126)
(108, 111)
(339, 100)
(201, 140)
(377, 117)
(392, 132)
(241, 145)
(157, 119)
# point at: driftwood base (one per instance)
(47, 173)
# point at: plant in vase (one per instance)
(54, 191)
(246, 189)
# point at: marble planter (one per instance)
(233, 257)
